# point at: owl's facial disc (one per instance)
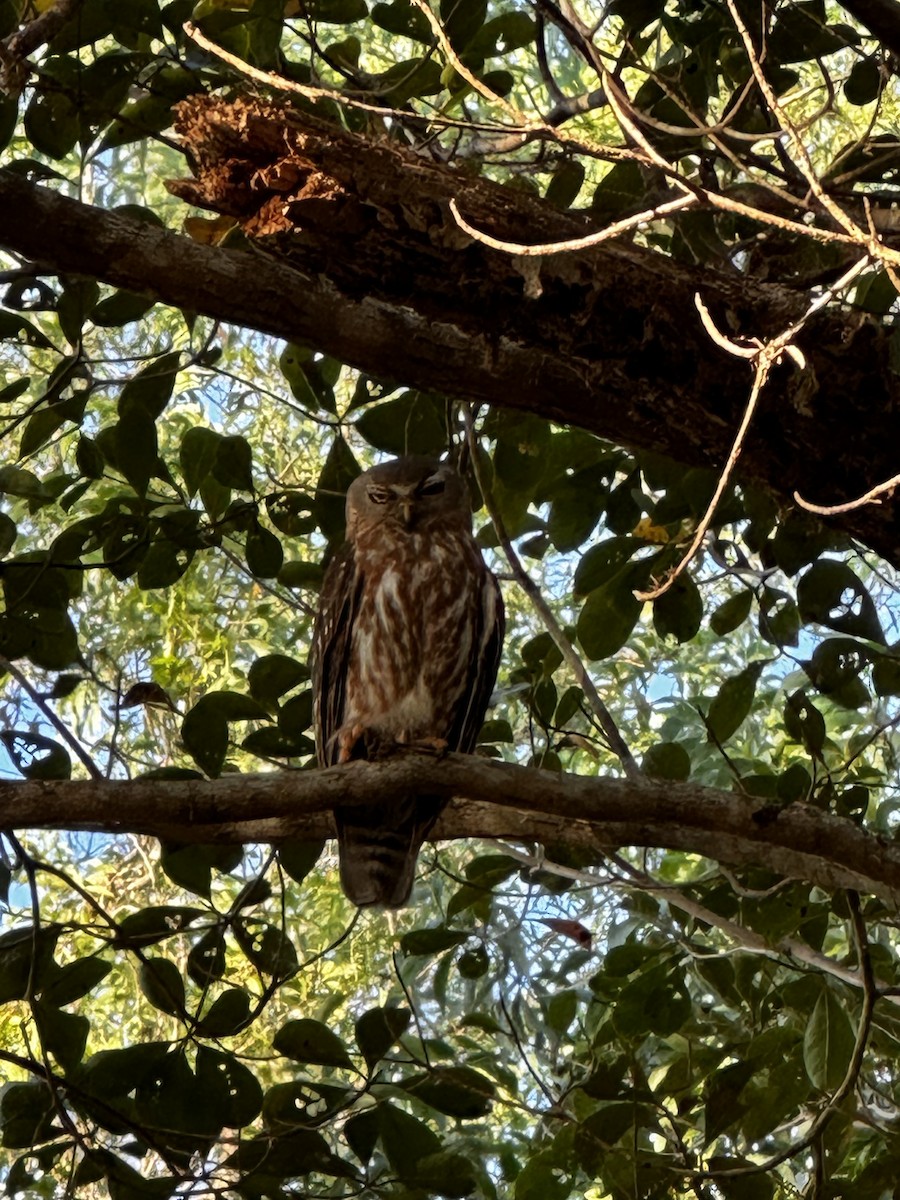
(405, 500)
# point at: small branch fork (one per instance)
(787, 951)
(614, 738)
(763, 356)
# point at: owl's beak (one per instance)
(406, 512)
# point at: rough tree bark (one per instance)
(357, 254)
(798, 841)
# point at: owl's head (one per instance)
(407, 494)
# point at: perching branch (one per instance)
(501, 800)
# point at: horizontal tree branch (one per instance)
(606, 339)
(501, 800)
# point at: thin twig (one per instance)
(40, 703)
(871, 243)
(869, 497)
(281, 84)
(463, 71)
(581, 243)
(797, 953)
(764, 356)
(614, 738)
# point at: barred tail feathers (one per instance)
(379, 848)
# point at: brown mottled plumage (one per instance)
(406, 649)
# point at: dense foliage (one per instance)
(542, 1022)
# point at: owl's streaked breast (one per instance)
(419, 615)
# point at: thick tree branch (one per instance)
(502, 800)
(380, 276)
(881, 17)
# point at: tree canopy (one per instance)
(637, 266)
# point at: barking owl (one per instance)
(405, 652)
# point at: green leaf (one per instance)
(405, 1139)
(89, 459)
(297, 858)
(162, 984)
(206, 960)
(779, 620)
(445, 1174)
(752, 1186)
(150, 390)
(292, 513)
(456, 1091)
(575, 509)
(110, 1074)
(667, 760)
(309, 1041)
(63, 1034)
(26, 961)
(272, 675)
(864, 82)
(75, 980)
(362, 1131)
(566, 181)
(833, 595)
(461, 20)
(204, 729)
(414, 423)
(162, 565)
(378, 1029)
(473, 964)
(522, 443)
(191, 865)
(804, 723)
(679, 611)
(828, 1042)
(35, 756)
(277, 743)
(233, 464)
(306, 576)
(656, 1001)
(122, 307)
(227, 1015)
(268, 948)
(495, 731)
(431, 941)
(238, 1095)
(199, 448)
(27, 1115)
(733, 702)
(14, 327)
(136, 449)
(265, 554)
(403, 19)
(542, 1179)
(15, 481)
(151, 925)
(609, 615)
(834, 670)
(337, 474)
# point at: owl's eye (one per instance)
(432, 488)
(379, 495)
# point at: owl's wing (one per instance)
(338, 606)
(482, 669)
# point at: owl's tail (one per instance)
(379, 848)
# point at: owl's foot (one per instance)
(425, 745)
(359, 741)
(362, 741)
